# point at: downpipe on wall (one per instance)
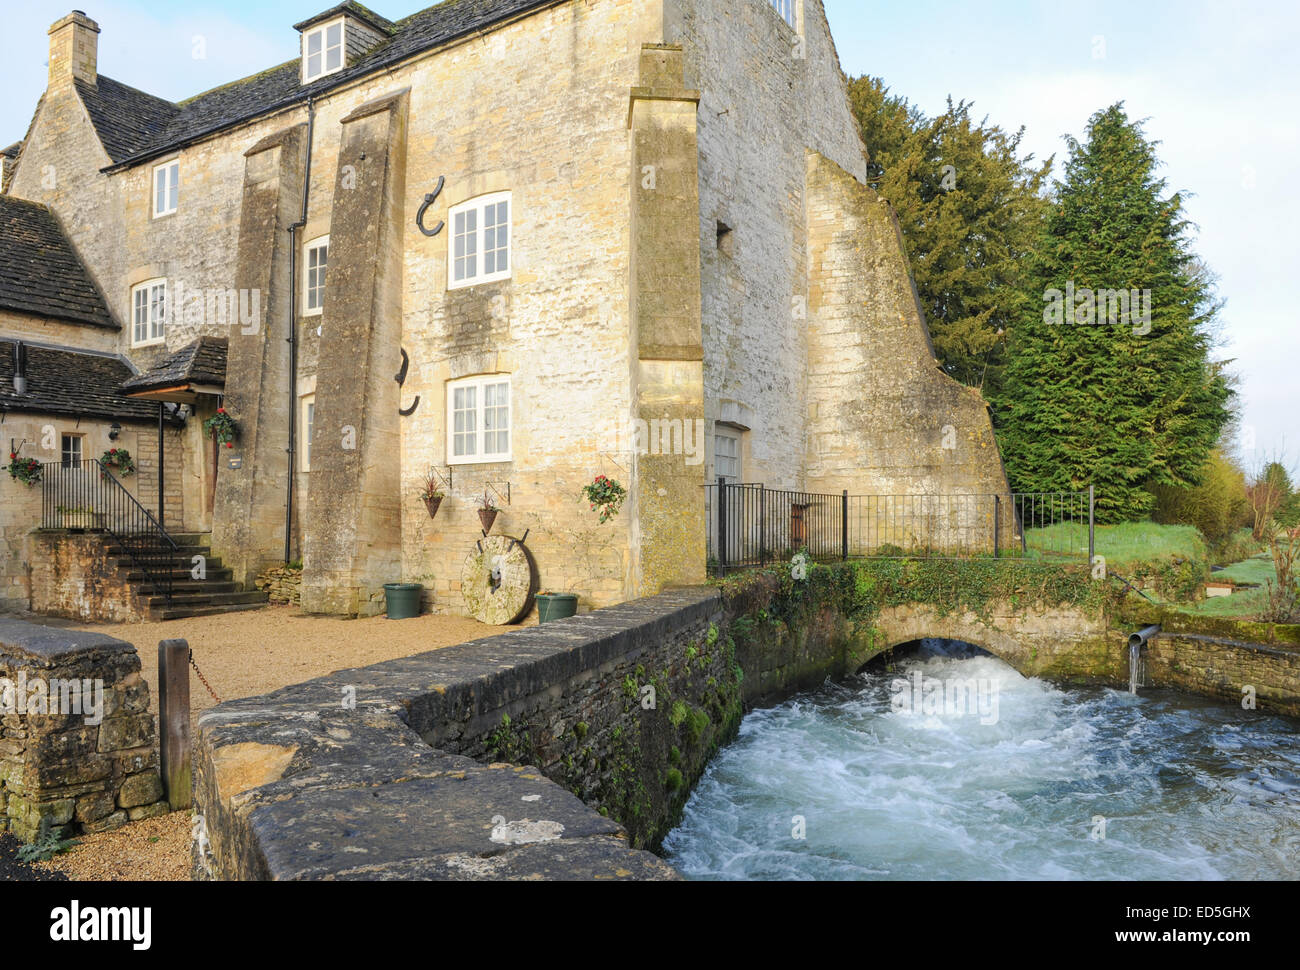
(293, 337)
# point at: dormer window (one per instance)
(322, 50)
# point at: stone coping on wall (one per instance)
(298, 785)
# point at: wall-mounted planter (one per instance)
(556, 606)
(433, 504)
(487, 517)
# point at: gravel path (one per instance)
(13, 870)
(242, 655)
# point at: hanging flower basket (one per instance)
(431, 493)
(487, 512)
(25, 470)
(607, 495)
(222, 427)
(119, 459)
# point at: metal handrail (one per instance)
(87, 493)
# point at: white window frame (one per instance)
(788, 10)
(155, 326)
(479, 238)
(480, 383)
(730, 434)
(308, 425)
(307, 289)
(322, 30)
(172, 190)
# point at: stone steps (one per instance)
(215, 594)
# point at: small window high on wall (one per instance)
(166, 189)
(148, 313)
(787, 11)
(315, 258)
(480, 241)
(322, 51)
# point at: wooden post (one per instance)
(174, 721)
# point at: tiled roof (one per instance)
(71, 382)
(281, 87)
(40, 272)
(13, 150)
(355, 9)
(201, 362)
(127, 121)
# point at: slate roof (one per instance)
(200, 362)
(40, 272)
(13, 150)
(150, 132)
(127, 121)
(71, 382)
(365, 14)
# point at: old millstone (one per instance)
(498, 581)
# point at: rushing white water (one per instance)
(1062, 784)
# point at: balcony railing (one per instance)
(85, 496)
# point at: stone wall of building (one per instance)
(72, 576)
(882, 418)
(57, 333)
(77, 758)
(769, 93)
(20, 505)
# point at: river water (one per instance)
(1005, 778)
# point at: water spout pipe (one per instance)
(1141, 638)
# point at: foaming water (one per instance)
(1187, 789)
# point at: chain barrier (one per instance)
(203, 679)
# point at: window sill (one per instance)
(480, 281)
(492, 460)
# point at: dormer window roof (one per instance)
(338, 36)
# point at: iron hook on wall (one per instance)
(429, 200)
(400, 377)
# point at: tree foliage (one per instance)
(1129, 405)
(970, 209)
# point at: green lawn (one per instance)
(1121, 545)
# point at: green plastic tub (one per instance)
(403, 600)
(556, 606)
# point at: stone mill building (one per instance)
(512, 244)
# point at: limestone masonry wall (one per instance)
(65, 767)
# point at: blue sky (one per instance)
(1216, 80)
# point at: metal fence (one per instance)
(752, 525)
(84, 496)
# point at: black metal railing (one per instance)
(85, 496)
(752, 525)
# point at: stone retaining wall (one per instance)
(73, 759)
(1228, 670)
(73, 576)
(415, 768)
(282, 583)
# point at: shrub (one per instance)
(1217, 507)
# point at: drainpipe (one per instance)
(293, 336)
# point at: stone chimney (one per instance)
(74, 50)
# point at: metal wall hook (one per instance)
(429, 200)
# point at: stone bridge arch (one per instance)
(1063, 642)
